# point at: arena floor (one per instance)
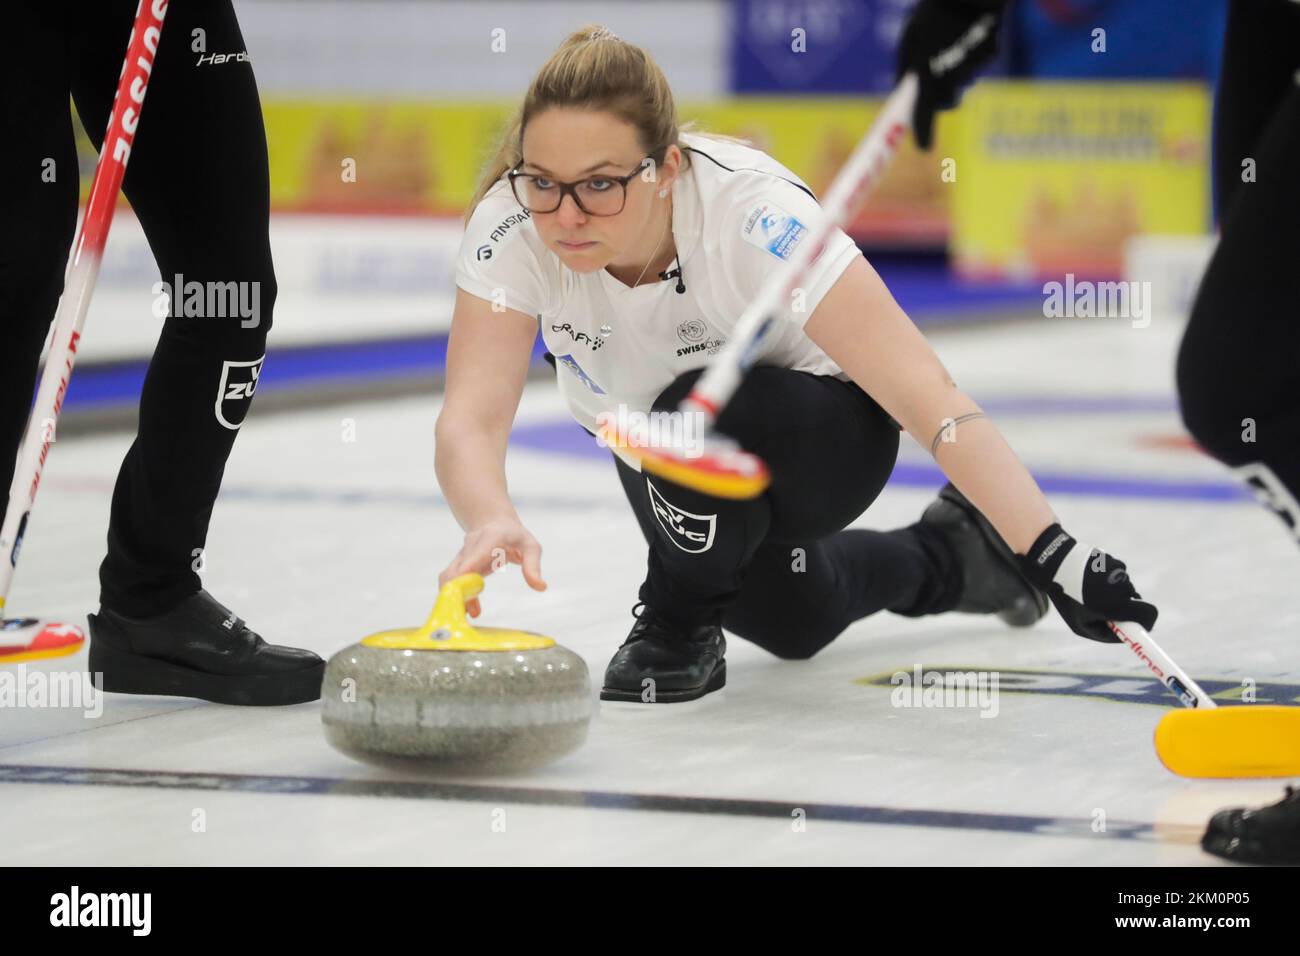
(318, 541)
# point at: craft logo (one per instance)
(571, 364)
(690, 532)
(235, 393)
(770, 227)
(593, 342)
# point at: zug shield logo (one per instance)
(690, 532)
(235, 393)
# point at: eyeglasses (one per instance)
(596, 195)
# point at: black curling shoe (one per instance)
(662, 663)
(199, 649)
(991, 582)
(1267, 835)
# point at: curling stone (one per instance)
(450, 696)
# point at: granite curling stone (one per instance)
(451, 696)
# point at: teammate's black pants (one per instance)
(198, 182)
(1239, 365)
(778, 569)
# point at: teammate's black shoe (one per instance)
(663, 663)
(1268, 835)
(991, 581)
(199, 649)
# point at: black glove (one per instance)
(1088, 587)
(944, 43)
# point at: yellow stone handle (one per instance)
(447, 619)
(448, 629)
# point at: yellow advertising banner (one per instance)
(1025, 179)
(425, 157)
(813, 137)
(380, 156)
(1053, 178)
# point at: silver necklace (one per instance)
(656, 252)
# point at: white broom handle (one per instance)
(1141, 643)
(859, 175)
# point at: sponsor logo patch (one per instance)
(770, 227)
(572, 365)
(690, 532)
(216, 59)
(692, 331)
(505, 225)
(594, 342)
(708, 345)
(235, 393)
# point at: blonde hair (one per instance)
(592, 70)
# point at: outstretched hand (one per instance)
(491, 547)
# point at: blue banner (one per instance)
(815, 46)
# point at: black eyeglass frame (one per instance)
(571, 188)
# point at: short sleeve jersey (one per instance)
(737, 215)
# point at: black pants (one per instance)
(198, 182)
(1239, 364)
(778, 570)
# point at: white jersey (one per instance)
(737, 214)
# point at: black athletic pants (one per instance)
(778, 570)
(1239, 364)
(198, 182)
